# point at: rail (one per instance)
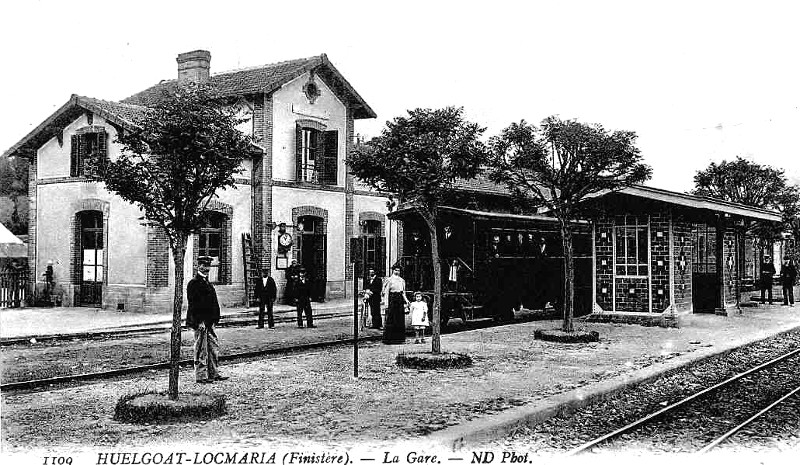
(660, 413)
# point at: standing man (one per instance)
(202, 315)
(302, 292)
(375, 286)
(788, 277)
(267, 292)
(767, 272)
(292, 274)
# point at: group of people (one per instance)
(204, 313)
(788, 277)
(392, 291)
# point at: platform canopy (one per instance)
(693, 202)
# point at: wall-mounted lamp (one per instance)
(682, 264)
(729, 263)
(604, 290)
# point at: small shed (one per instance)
(659, 253)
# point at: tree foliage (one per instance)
(558, 165)
(183, 151)
(14, 194)
(749, 183)
(172, 165)
(419, 157)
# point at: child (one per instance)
(419, 317)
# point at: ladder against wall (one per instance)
(250, 270)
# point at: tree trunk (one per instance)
(569, 276)
(436, 327)
(175, 334)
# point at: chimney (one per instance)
(194, 66)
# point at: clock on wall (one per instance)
(285, 240)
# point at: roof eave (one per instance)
(27, 146)
(693, 201)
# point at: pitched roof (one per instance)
(266, 79)
(694, 201)
(481, 184)
(124, 115)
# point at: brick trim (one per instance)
(311, 124)
(226, 266)
(348, 194)
(76, 208)
(157, 272)
(373, 216)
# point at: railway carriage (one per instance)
(493, 263)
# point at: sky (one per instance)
(699, 82)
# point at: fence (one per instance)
(13, 288)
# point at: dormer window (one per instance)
(88, 151)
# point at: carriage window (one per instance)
(631, 251)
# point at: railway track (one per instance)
(286, 316)
(112, 373)
(733, 382)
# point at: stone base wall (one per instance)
(653, 319)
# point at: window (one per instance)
(308, 150)
(211, 244)
(88, 152)
(631, 248)
(317, 154)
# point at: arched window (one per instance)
(211, 242)
(91, 258)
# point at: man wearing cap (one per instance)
(202, 315)
(302, 292)
(266, 291)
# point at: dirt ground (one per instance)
(312, 397)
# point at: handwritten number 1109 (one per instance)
(57, 461)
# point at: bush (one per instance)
(157, 407)
(557, 335)
(429, 361)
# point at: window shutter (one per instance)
(102, 150)
(298, 152)
(380, 256)
(74, 156)
(330, 157)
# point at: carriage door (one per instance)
(374, 246)
(91, 258)
(311, 247)
(705, 282)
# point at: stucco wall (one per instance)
(284, 199)
(289, 105)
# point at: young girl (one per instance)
(419, 317)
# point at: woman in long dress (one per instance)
(394, 328)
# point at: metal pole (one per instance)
(355, 321)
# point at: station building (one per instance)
(295, 188)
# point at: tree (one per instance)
(171, 166)
(557, 166)
(419, 157)
(749, 183)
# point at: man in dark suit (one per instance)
(302, 292)
(767, 273)
(202, 315)
(267, 292)
(375, 286)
